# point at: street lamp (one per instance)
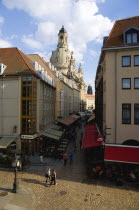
(15, 164)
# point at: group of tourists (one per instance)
(51, 177)
(116, 173)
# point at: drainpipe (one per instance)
(115, 96)
(2, 111)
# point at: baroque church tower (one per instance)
(61, 57)
(63, 60)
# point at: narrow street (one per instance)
(73, 189)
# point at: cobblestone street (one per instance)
(73, 189)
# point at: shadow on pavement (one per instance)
(33, 181)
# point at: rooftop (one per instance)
(115, 38)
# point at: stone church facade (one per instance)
(63, 60)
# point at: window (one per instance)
(44, 106)
(45, 91)
(132, 36)
(126, 113)
(136, 60)
(136, 113)
(126, 61)
(126, 83)
(136, 83)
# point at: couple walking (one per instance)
(65, 158)
(51, 177)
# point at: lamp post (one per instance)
(16, 183)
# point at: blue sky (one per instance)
(33, 25)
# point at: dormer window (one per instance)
(131, 38)
(2, 68)
(131, 35)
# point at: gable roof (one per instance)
(42, 62)
(16, 62)
(115, 38)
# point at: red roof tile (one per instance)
(16, 61)
(67, 121)
(115, 38)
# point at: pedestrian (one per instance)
(53, 177)
(80, 144)
(41, 156)
(65, 158)
(81, 133)
(20, 165)
(48, 175)
(71, 158)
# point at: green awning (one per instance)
(6, 141)
(51, 136)
(56, 127)
(54, 132)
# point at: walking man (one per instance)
(65, 158)
(71, 158)
(80, 144)
(81, 133)
(48, 175)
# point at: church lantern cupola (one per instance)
(62, 38)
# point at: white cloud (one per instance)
(30, 42)
(43, 9)
(1, 20)
(4, 44)
(47, 33)
(93, 53)
(81, 19)
(44, 55)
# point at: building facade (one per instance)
(90, 102)
(27, 99)
(117, 83)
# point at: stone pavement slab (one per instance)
(24, 199)
(72, 192)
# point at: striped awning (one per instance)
(51, 136)
(6, 141)
(56, 127)
(55, 132)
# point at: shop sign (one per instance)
(100, 139)
(28, 136)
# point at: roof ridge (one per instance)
(45, 62)
(129, 18)
(19, 51)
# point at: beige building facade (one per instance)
(117, 83)
(27, 105)
(10, 108)
(90, 102)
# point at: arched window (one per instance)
(61, 38)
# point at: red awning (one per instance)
(121, 153)
(90, 137)
(67, 121)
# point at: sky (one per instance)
(33, 26)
